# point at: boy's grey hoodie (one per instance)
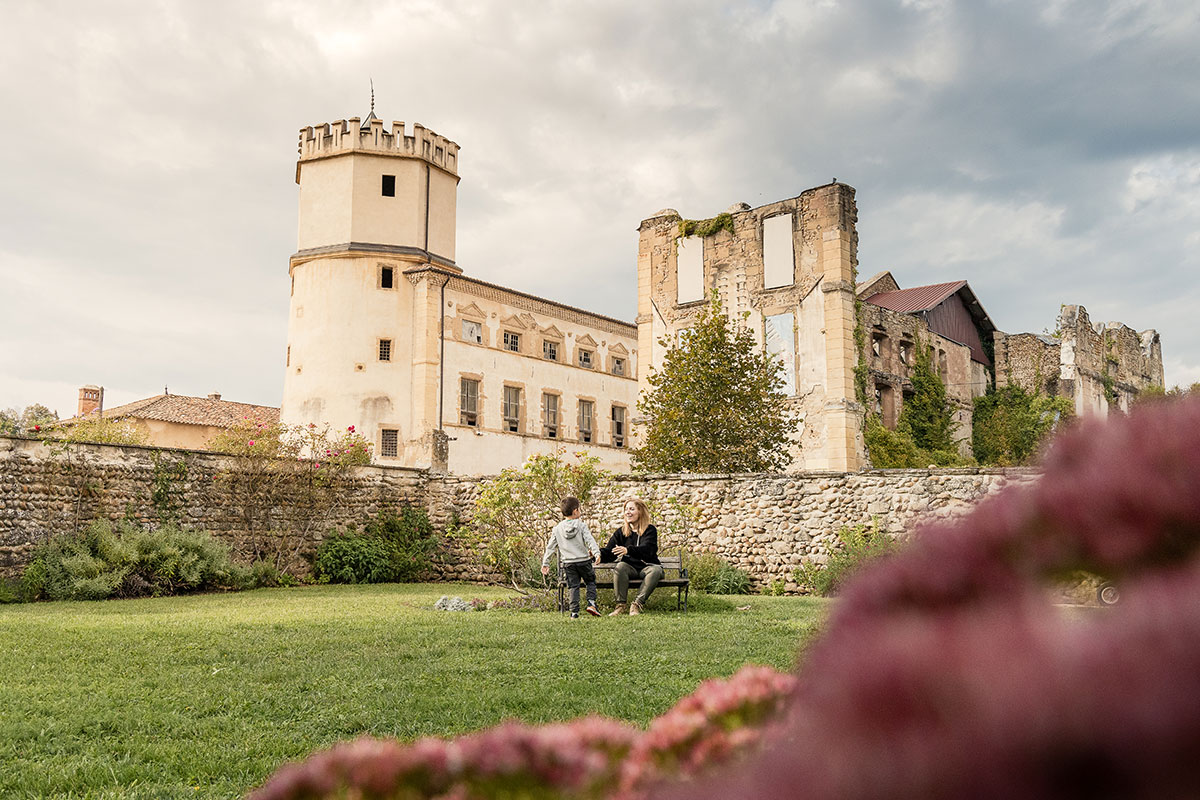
(573, 541)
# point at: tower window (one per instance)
(468, 413)
(389, 185)
(550, 350)
(385, 349)
(550, 404)
(512, 341)
(585, 359)
(618, 426)
(389, 439)
(511, 410)
(472, 331)
(586, 409)
(386, 275)
(618, 366)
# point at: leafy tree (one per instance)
(29, 422)
(516, 511)
(1010, 424)
(716, 404)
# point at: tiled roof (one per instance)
(919, 298)
(193, 411)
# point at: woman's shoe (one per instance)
(618, 611)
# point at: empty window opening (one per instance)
(472, 331)
(550, 404)
(618, 365)
(389, 185)
(385, 349)
(618, 426)
(389, 439)
(877, 344)
(586, 414)
(512, 341)
(468, 402)
(905, 352)
(511, 409)
(585, 359)
(779, 260)
(386, 275)
(550, 350)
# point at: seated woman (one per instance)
(634, 546)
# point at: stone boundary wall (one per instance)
(47, 489)
(766, 524)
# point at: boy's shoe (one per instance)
(618, 611)
(635, 609)
(574, 615)
(591, 609)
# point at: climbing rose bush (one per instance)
(944, 670)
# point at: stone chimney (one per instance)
(215, 396)
(91, 399)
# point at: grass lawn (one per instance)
(204, 696)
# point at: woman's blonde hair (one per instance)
(643, 520)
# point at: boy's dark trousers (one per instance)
(580, 572)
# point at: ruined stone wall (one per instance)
(888, 350)
(1099, 367)
(818, 293)
(766, 524)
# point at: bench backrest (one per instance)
(669, 562)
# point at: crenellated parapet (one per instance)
(349, 136)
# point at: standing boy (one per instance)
(576, 550)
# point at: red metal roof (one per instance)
(917, 299)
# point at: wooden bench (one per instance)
(606, 579)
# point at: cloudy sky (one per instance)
(1047, 151)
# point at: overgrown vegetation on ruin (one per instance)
(706, 227)
(924, 434)
(716, 405)
(1011, 424)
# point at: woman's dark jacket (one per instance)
(643, 548)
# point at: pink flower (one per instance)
(252, 443)
(318, 465)
(326, 452)
(351, 429)
(37, 428)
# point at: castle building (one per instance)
(388, 334)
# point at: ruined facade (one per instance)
(949, 322)
(1100, 367)
(787, 271)
(387, 333)
(789, 268)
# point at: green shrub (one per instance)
(730, 580)
(396, 547)
(776, 588)
(857, 544)
(354, 558)
(125, 561)
(264, 573)
(10, 591)
(702, 568)
(413, 539)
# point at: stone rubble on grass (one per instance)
(445, 603)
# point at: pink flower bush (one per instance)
(592, 757)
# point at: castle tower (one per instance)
(375, 247)
(91, 398)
